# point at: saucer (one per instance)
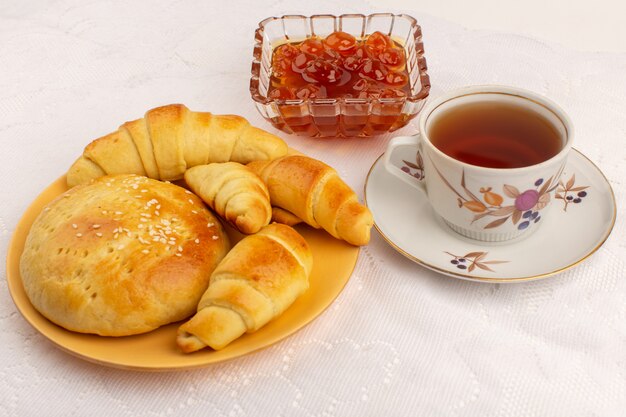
(577, 225)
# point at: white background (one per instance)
(400, 339)
(598, 25)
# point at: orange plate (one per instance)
(334, 262)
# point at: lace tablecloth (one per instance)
(400, 339)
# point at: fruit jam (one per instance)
(339, 66)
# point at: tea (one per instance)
(495, 135)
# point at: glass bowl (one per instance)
(339, 117)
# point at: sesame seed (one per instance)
(145, 215)
(194, 211)
(214, 237)
(118, 212)
(79, 234)
(74, 226)
(95, 226)
(178, 254)
(143, 219)
(210, 224)
(140, 226)
(145, 251)
(120, 247)
(46, 209)
(144, 191)
(197, 240)
(180, 248)
(158, 206)
(99, 234)
(104, 212)
(134, 186)
(156, 212)
(115, 235)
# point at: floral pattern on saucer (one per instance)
(570, 194)
(472, 260)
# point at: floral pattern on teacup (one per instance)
(523, 207)
(473, 260)
(414, 169)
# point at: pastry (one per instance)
(282, 216)
(120, 256)
(313, 192)
(170, 139)
(236, 194)
(256, 282)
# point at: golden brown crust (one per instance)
(105, 150)
(82, 171)
(256, 282)
(236, 194)
(120, 256)
(283, 216)
(166, 127)
(170, 139)
(314, 192)
(138, 131)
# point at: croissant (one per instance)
(257, 281)
(170, 139)
(236, 194)
(313, 192)
(282, 216)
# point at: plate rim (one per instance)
(496, 280)
(12, 282)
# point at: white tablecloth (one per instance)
(400, 339)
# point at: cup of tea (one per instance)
(488, 158)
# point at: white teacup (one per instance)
(479, 202)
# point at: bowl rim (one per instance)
(256, 64)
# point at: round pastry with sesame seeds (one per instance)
(121, 255)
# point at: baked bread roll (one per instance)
(121, 256)
(283, 216)
(236, 194)
(259, 278)
(170, 139)
(313, 192)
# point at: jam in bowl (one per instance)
(333, 76)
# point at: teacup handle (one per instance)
(412, 179)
